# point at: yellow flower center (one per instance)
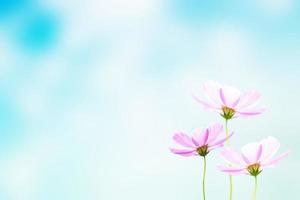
(203, 151)
(228, 113)
(254, 169)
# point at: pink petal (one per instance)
(183, 140)
(205, 104)
(200, 136)
(184, 152)
(246, 160)
(233, 157)
(202, 139)
(235, 103)
(248, 113)
(248, 99)
(211, 89)
(210, 148)
(270, 148)
(232, 170)
(197, 136)
(214, 132)
(222, 96)
(249, 152)
(259, 152)
(274, 161)
(230, 96)
(220, 141)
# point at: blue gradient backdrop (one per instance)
(92, 91)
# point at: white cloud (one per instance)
(112, 10)
(94, 19)
(276, 7)
(22, 172)
(22, 176)
(36, 94)
(7, 57)
(230, 46)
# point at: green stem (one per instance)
(203, 178)
(228, 144)
(227, 133)
(255, 188)
(230, 187)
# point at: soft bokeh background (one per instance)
(92, 91)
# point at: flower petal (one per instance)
(233, 157)
(214, 132)
(246, 159)
(259, 152)
(232, 170)
(221, 141)
(206, 104)
(248, 99)
(210, 148)
(200, 136)
(248, 113)
(197, 136)
(211, 89)
(184, 152)
(249, 152)
(270, 148)
(183, 140)
(202, 139)
(222, 96)
(230, 96)
(274, 161)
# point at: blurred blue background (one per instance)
(92, 91)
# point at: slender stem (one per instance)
(230, 187)
(227, 133)
(255, 188)
(203, 178)
(228, 144)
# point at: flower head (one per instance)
(253, 158)
(201, 142)
(229, 101)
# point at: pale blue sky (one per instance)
(91, 93)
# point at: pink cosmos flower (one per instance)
(254, 157)
(201, 142)
(229, 101)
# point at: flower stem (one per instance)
(230, 187)
(255, 188)
(203, 178)
(227, 133)
(228, 144)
